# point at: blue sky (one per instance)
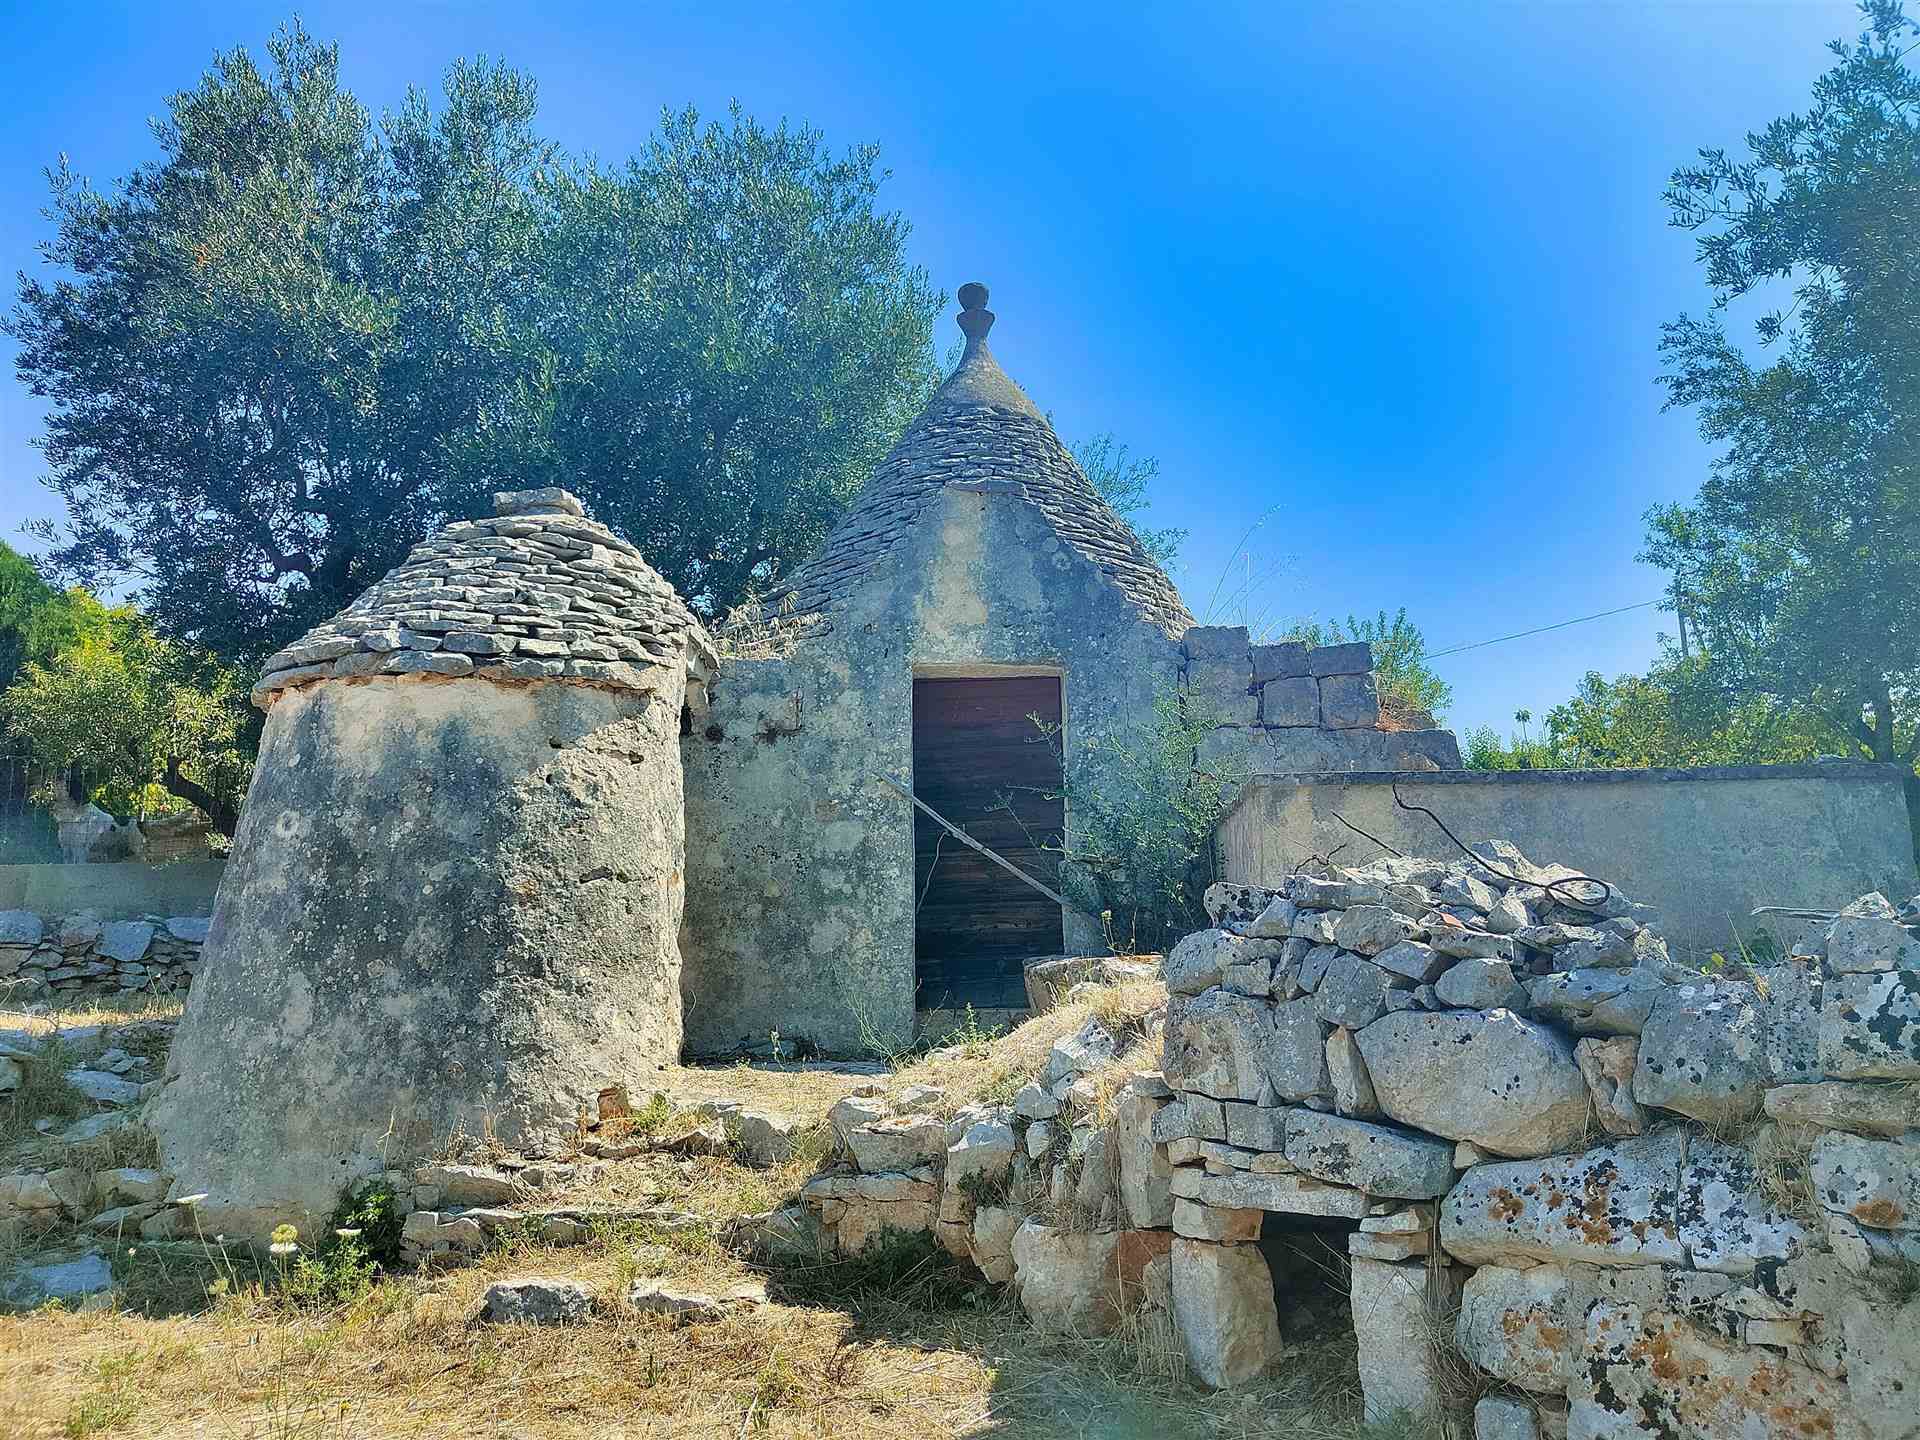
(1391, 278)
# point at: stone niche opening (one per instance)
(1306, 1257)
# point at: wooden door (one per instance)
(980, 759)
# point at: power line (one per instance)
(1538, 630)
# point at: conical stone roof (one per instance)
(980, 432)
(536, 592)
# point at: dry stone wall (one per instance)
(1587, 1191)
(42, 955)
(1292, 706)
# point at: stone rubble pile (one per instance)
(42, 954)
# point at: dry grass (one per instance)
(70, 1008)
(877, 1347)
(792, 1090)
(934, 1358)
(991, 1070)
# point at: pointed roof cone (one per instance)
(980, 430)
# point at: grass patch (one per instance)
(44, 1091)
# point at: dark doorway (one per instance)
(981, 761)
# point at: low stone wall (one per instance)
(1704, 846)
(54, 954)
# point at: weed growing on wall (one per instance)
(1141, 813)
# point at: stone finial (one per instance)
(975, 319)
(550, 500)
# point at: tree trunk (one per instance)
(224, 816)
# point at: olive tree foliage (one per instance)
(717, 343)
(276, 355)
(131, 709)
(1798, 565)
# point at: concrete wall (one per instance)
(1704, 845)
(800, 865)
(112, 892)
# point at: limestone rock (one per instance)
(125, 941)
(1481, 985)
(1863, 1108)
(1702, 1054)
(20, 927)
(1872, 1182)
(1596, 1001)
(1228, 905)
(1648, 1372)
(992, 1241)
(1870, 1026)
(1508, 1085)
(1224, 1309)
(1613, 1205)
(1199, 962)
(1353, 991)
(1378, 1159)
(461, 1185)
(1347, 1072)
(763, 1138)
(897, 1143)
(1396, 1310)
(533, 1300)
(69, 1279)
(1280, 1194)
(1369, 929)
(1790, 1016)
(855, 1111)
(1862, 943)
(1146, 1176)
(1726, 1222)
(696, 1306)
(1516, 1325)
(131, 1186)
(982, 1155)
(1195, 1221)
(103, 1088)
(1501, 1417)
(1231, 1047)
(1608, 1065)
(1080, 1053)
(1081, 1284)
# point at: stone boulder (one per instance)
(1596, 1001)
(1081, 1284)
(1703, 1055)
(1614, 1205)
(1200, 961)
(1649, 1372)
(530, 1300)
(1397, 1313)
(1872, 1182)
(1223, 1307)
(1234, 1047)
(1870, 1026)
(1378, 1159)
(1608, 1065)
(1516, 1326)
(1146, 1176)
(1508, 1085)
